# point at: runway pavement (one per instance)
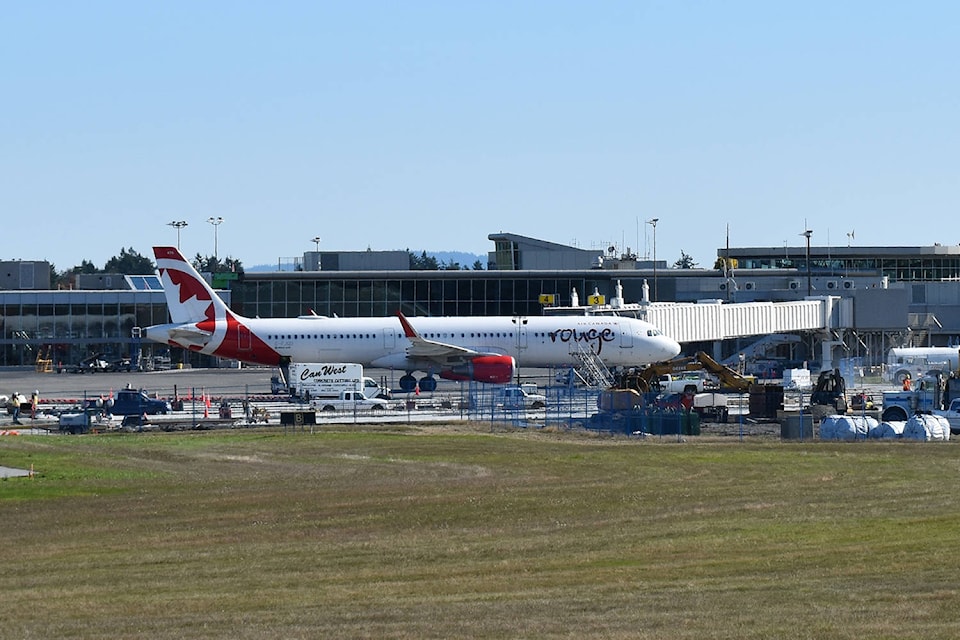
(254, 381)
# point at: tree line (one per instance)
(132, 263)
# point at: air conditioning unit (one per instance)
(848, 284)
(794, 285)
(832, 285)
(749, 286)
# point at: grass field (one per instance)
(425, 533)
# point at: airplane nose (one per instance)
(671, 347)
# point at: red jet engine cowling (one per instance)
(495, 369)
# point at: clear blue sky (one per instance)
(429, 125)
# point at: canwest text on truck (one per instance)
(308, 380)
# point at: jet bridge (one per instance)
(714, 320)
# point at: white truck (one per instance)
(689, 382)
(313, 380)
(952, 414)
(516, 397)
(349, 401)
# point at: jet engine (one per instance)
(496, 369)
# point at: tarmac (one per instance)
(59, 391)
(182, 382)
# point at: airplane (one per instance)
(484, 349)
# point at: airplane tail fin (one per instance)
(189, 297)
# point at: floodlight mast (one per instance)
(178, 224)
(216, 222)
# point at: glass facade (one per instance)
(916, 266)
(67, 326)
(456, 293)
(506, 255)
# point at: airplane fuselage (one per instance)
(381, 342)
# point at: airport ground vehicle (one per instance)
(76, 423)
(830, 391)
(309, 380)
(93, 364)
(644, 380)
(121, 364)
(915, 362)
(518, 397)
(688, 382)
(711, 406)
(349, 401)
(928, 398)
(128, 402)
(952, 414)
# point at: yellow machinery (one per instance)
(44, 361)
(644, 379)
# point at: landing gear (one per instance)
(408, 383)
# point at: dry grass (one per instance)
(417, 533)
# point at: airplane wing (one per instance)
(421, 347)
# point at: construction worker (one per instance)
(15, 403)
(34, 401)
(907, 383)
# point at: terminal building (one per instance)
(898, 295)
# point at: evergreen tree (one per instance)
(211, 264)
(685, 261)
(423, 262)
(129, 262)
(85, 266)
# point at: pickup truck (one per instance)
(132, 402)
(348, 401)
(952, 414)
(516, 397)
(692, 382)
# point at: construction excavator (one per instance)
(645, 380)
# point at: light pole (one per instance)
(521, 322)
(178, 224)
(216, 222)
(316, 240)
(807, 234)
(653, 223)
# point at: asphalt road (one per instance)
(253, 381)
(217, 382)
